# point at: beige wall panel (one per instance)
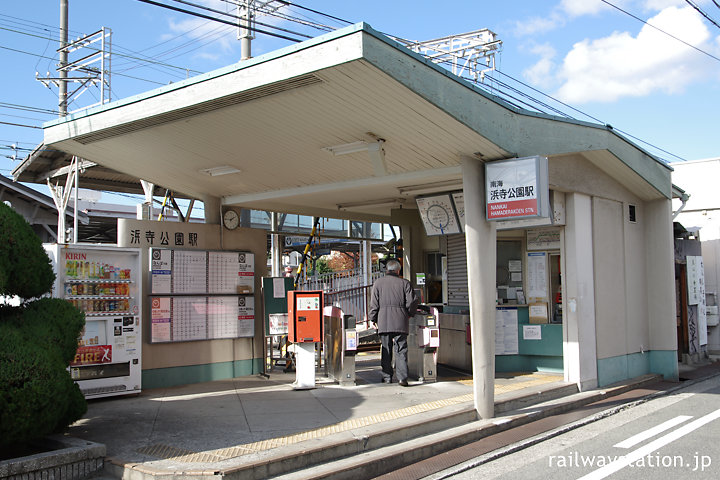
(638, 335)
(609, 266)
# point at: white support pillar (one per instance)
(275, 248)
(61, 196)
(145, 210)
(660, 261)
(481, 240)
(366, 249)
(579, 337)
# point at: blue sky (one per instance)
(586, 53)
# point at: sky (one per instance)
(649, 68)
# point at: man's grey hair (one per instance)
(392, 266)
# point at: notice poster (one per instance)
(161, 270)
(160, 317)
(506, 331)
(246, 316)
(245, 273)
(514, 188)
(536, 277)
(532, 332)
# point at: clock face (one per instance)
(231, 219)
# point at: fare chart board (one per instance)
(201, 295)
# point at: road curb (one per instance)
(516, 447)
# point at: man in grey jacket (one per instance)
(392, 304)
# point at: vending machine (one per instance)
(104, 282)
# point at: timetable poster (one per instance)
(189, 318)
(222, 272)
(506, 331)
(222, 317)
(189, 271)
(194, 272)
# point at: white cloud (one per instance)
(659, 5)
(541, 74)
(531, 26)
(621, 65)
(576, 8)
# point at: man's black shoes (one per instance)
(403, 383)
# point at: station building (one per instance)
(588, 286)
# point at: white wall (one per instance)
(699, 180)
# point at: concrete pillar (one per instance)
(579, 342)
(212, 210)
(481, 240)
(660, 260)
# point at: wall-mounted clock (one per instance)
(231, 220)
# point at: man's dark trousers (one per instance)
(394, 344)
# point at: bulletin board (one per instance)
(274, 291)
(201, 295)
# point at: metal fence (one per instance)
(345, 289)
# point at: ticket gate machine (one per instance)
(340, 346)
(423, 343)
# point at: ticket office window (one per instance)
(509, 273)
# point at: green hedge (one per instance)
(38, 340)
(25, 268)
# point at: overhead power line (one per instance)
(661, 30)
(701, 12)
(203, 7)
(20, 125)
(215, 19)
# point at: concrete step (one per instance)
(370, 464)
(376, 449)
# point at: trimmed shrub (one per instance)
(25, 268)
(38, 340)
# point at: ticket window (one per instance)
(509, 273)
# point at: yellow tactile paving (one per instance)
(186, 456)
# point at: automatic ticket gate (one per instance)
(340, 345)
(423, 343)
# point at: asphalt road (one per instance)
(674, 436)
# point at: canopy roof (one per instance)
(273, 117)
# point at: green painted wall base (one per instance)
(528, 363)
(615, 369)
(172, 376)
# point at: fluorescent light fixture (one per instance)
(431, 187)
(347, 148)
(222, 170)
(382, 202)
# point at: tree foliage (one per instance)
(38, 340)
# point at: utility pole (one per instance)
(246, 17)
(62, 94)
